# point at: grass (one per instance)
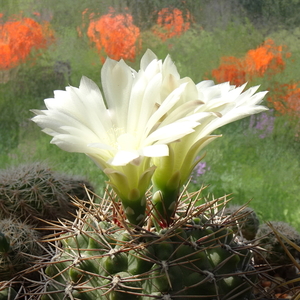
(265, 170)
(35, 147)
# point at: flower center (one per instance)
(126, 141)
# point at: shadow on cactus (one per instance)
(7, 292)
(280, 245)
(102, 256)
(34, 191)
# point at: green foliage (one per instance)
(273, 14)
(257, 168)
(205, 48)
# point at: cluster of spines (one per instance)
(29, 195)
(34, 191)
(19, 247)
(195, 256)
(203, 254)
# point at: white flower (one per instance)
(223, 104)
(147, 124)
(229, 103)
(130, 124)
(125, 125)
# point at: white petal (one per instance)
(122, 158)
(171, 132)
(155, 151)
(170, 68)
(205, 84)
(127, 141)
(117, 81)
(100, 146)
(182, 111)
(143, 102)
(147, 58)
(70, 143)
(166, 106)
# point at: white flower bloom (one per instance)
(123, 127)
(143, 118)
(229, 103)
(126, 126)
(223, 104)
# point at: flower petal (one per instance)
(117, 81)
(155, 151)
(123, 157)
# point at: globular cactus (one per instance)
(101, 256)
(34, 191)
(280, 243)
(275, 253)
(19, 247)
(245, 219)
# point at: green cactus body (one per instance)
(127, 288)
(166, 278)
(4, 243)
(8, 293)
(115, 262)
(140, 261)
(223, 260)
(103, 260)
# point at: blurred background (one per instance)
(47, 45)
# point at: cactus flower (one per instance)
(127, 127)
(229, 103)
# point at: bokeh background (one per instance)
(47, 45)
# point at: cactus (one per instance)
(246, 223)
(280, 243)
(19, 247)
(101, 256)
(34, 191)
(275, 253)
(7, 293)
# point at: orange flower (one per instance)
(268, 56)
(18, 38)
(116, 34)
(231, 69)
(287, 101)
(170, 23)
(255, 64)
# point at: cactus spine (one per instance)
(100, 256)
(33, 191)
(19, 247)
(245, 219)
